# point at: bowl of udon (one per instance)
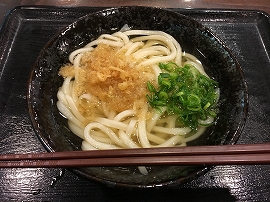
(136, 77)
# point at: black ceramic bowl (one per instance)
(52, 128)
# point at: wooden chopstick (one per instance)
(190, 155)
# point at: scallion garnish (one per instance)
(185, 92)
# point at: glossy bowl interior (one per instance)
(218, 61)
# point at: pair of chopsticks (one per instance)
(246, 154)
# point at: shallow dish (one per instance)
(194, 38)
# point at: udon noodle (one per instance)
(103, 95)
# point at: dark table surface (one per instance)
(27, 29)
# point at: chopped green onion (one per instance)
(185, 92)
(150, 87)
(163, 96)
